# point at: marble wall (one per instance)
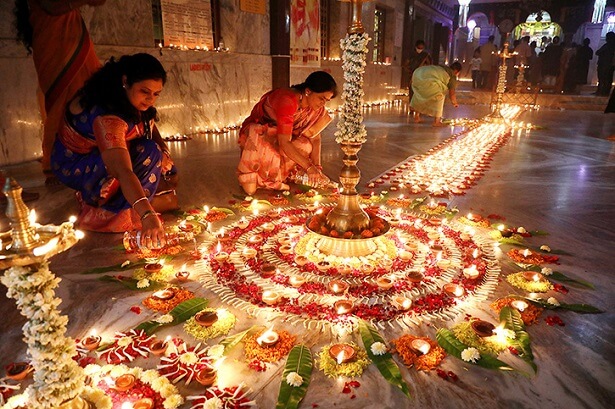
(205, 90)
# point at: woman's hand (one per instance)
(152, 232)
(316, 178)
(167, 162)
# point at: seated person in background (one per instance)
(109, 150)
(282, 135)
(430, 85)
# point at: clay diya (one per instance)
(222, 237)
(410, 246)
(268, 338)
(182, 275)
(284, 240)
(482, 328)
(164, 295)
(91, 342)
(533, 276)
(367, 268)
(158, 347)
(243, 223)
(401, 303)
(144, 403)
(206, 318)
(291, 219)
(249, 252)
(343, 307)
(323, 265)
(471, 272)
(124, 382)
(405, 255)
(268, 270)
(519, 305)
(301, 260)
(206, 376)
(286, 249)
(18, 371)
(342, 353)
(186, 227)
(385, 283)
(221, 256)
(268, 226)
(414, 277)
(152, 268)
(453, 290)
(337, 286)
(296, 281)
(420, 346)
(256, 238)
(270, 297)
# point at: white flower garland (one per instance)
(350, 126)
(57, 376)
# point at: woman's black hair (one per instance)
(22, 23)
(318, 81)
(105, 88)
(456, 66)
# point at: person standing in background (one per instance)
(419, 57)
(64, 58)
(605, 54)
(489, 60)
(475, 68)
(584, 55)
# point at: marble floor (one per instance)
(560, 179)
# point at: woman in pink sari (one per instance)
(281, 137)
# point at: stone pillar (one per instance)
(464, 7)
(598, 14)
(280, 43)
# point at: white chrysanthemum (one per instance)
(159, 383)
(294, 379)
(149, 375)
(470, 355)
(521, 230)
(213, 403)
(216, 351)
(546, 248)
(91, 369)
(165, 319)
(118, 370)
(143, 283)
(167, 390)
(125, 263)
(553, 301)
(124, 341)
(378, 348)
(189, 358)
(546, 271)
(173, 402)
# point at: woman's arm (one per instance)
(167, 162)
(453, 97)
(59, 7)
(119, 165)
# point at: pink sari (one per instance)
(262, 160)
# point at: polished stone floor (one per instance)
(560, 179)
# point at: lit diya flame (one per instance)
(342, 353)
(453, 290)
(268, 338)
(343, 307)
(270, 297)
(471, 272)
(92, 341)
(296, 281)
(249, 252)
(533, 276)
(402, 303)
(183, 274)
(337, 286)
(158, 347)
(475, 253)
(164, 295)
(526, 252)
(124, 382)
(421, 346)
(301, 260)
(185, 227)
(519, 305)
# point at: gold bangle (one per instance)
(138, 200)
(147, 214)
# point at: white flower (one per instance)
(143, 283)
(149, 375)
(165, 319)
(470, 355)
(213, 403)
(521, 230)
(190, 217)
(546, 271)
(546, 248)
(294, 379)
(124, 341)
(378, 348)
(189, 358)
(173, 401)
(286, 192)
(248, 198)
(125, 263)
(384, 192)
(553, 301)
(216, 351)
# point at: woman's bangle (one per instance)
(147, 214)
(310, 167)
(138, 200)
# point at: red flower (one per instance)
(136, 309)
(560, 288)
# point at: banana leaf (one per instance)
(580, 308)
(385, 363)
(454, 347)
(299, 361)
(182, 312)
(131, 283)
(115, 267)
(512, 321)
(230, 342)
(223, 210)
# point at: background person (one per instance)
(281, 137)
(419, 57)
(430, 85)
(64, 58)
(109, 150)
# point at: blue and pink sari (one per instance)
(77, 162)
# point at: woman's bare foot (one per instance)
(437, 123)
(417, 118)
(249, 188)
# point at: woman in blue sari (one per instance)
(109, 150)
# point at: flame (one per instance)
(475, 253)
(183, 267)
(79, 234)
(526, 252)
(340, 357)
(32, 217)
(72, 219)
(218, 247)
